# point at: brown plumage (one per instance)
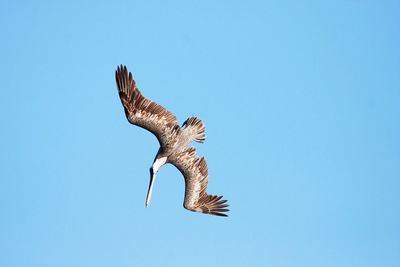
(174, 145)
(195, 171)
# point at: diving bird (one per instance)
(174, 145)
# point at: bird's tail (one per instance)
(196, 129)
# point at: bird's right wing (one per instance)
(195, 172)
(144, 112)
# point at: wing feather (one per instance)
(195, 172)
(144, 112)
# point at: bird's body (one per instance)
(174, 145)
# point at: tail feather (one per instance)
(196, 128)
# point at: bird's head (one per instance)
(158, 162)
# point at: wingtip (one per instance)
(121, 67)
(220, 214)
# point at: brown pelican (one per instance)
(174, 145)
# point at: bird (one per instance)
(174, 143)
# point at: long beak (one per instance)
(152, 178)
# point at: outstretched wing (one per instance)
(144, 112)
(195, 172)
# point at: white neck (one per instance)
(158, 163)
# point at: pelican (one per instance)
(174, 145)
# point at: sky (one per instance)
(301, 105)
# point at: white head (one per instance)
(153, 171)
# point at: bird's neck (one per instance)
(158, 163)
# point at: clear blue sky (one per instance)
(301, 103)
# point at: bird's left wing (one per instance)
(195, 172)
(142, 111)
